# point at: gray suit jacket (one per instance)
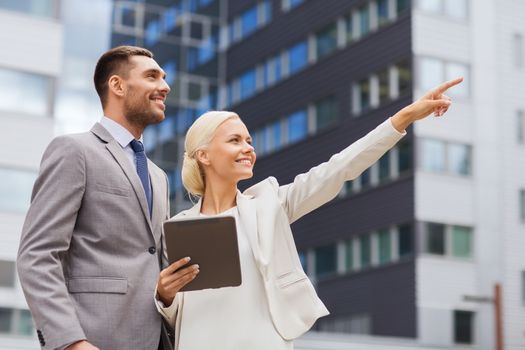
(88, 258)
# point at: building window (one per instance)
(297, 57)
(325, 112)
(434, 71)
(349, 255)
(432, 6)
(463, 327)
(404, 157)
(6, 316)
(350, 35)
(7, 273)
(303, 258)
(402, 6)
(461, 241)
(16, 322)
(267, 11)
(385, 246)
(364, 94)
(272, 71)
(287, 5)
(384, 167)
(520, 130)
(326, 41)
(456, 9)
(518, 50)
(248, 84)
(458, 158)
(364, 20)
(152, 32)
(248, 22)
(45, 8)
(405, 240)
(404, 78)
(434, 155)
(24, 326)
(366, 179)
(382, 12)
(365, 247)
(325, 260)
(449, 240)
(442, 157)
(383, 78)
(276, 136)
(297, 125)
(15, 189)
(32, 89)
(435, 239)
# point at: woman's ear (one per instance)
(116, 85)
(202, 157)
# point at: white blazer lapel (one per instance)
(248, 222)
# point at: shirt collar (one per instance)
(119, 133)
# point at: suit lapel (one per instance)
(248, 216)
(119, 155)
(157, 214)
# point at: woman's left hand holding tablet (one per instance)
(173, 278)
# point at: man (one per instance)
(89, 254)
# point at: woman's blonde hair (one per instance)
(198, 136)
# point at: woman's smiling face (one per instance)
(230, 155)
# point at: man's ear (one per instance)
(116, 85)
(202, 157)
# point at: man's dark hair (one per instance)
(115, 61)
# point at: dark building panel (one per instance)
(299, 23)
(387, 294)
(377, 208)
(331, 75)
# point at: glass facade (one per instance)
(326, 41)
(435, 240)
(461, 241)
(385, 246)
(15, 189)
(463, 327)
(297, 125)
(405, 241)
(326, 112)
(434, 155)
(297, 57)
(365, 246)
(325, 260)
(25, 93)
(45, 8)
(7, 274)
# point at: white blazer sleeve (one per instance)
(169, 313)
(322, 183)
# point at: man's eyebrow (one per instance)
(156, 71)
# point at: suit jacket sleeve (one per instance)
(46, 235)
(322, 183)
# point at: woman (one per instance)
(276, 302)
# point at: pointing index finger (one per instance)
(447, 85)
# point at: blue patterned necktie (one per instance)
(142, 169)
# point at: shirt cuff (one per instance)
(395, 130)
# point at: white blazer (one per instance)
(292, 300)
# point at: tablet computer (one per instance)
(209, 242)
